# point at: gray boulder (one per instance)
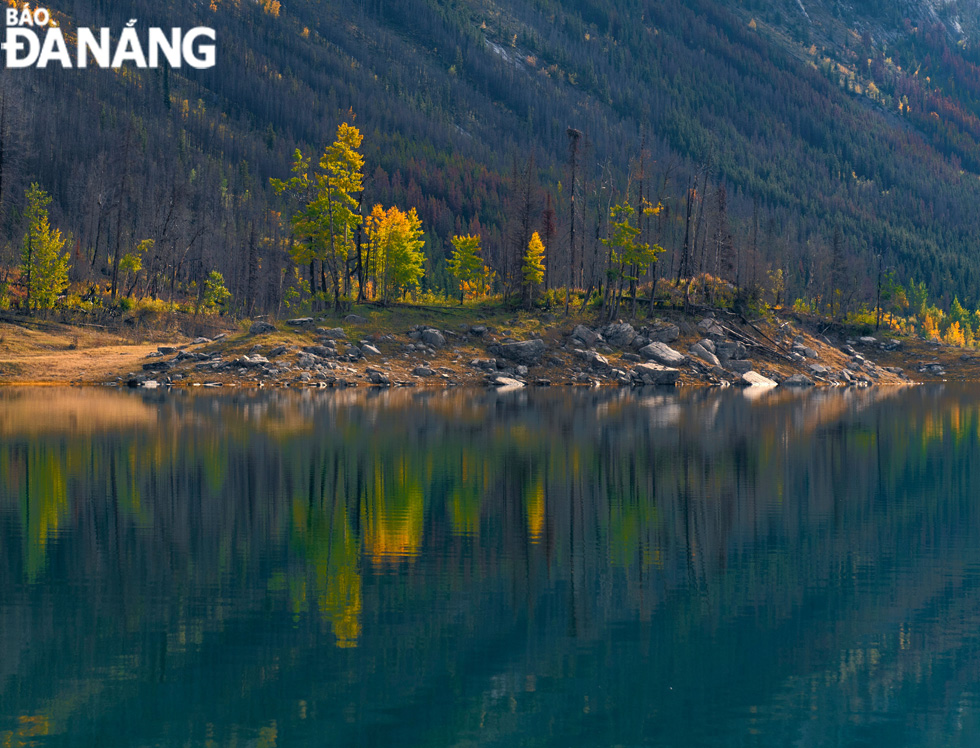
(251, 362)
(709, 327)
(526, 352)
(355, 319)
(665, 334)
(587, 336)
(598, 362)
(704, 354)
(709, 345)
(301, 322)
(320, 350)
(260, 328)
(433, 337)
(739, 365)
(662, 354)
(654, 374)
(369, 350)
(501, 381)
(423, 371)
(158, 366)
(798, 380)
(755, 379)
(728, 350)
(592, 358)
(619, 334)
(333, 333)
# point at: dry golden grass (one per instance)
(49, 352)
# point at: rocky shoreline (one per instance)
(711, 350)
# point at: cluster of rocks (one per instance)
(933, 368)
(325, 362)
(714, 358)
(615, 353)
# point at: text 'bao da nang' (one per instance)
(33, 39)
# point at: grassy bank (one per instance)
(39, 351)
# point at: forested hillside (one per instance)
(830, 145)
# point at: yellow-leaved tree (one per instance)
(394, 257)
(532, 270)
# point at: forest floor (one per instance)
(36, 351)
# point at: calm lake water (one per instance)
(542, 568)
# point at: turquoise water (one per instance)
(542, 568)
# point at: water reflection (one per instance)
(480, 568)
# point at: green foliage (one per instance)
(327, 218)
(804, 306)
(466, 266)
(553, 298)
(44, 267)
(776, 286)
(627, 254)
(917, 296)
(131, 263)
(628, 258)
(215, 293)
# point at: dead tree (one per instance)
(573, 138)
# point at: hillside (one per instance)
(845, 137)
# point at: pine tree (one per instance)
(626, 254)
(467, 267)
(328, 217)
(215, 294)
(532, 269)
(44, 268)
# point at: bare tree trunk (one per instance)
(360, 258)
(573, 136)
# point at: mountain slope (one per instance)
(843, 119)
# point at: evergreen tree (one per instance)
(626, 254)
(44, 269)
(327, 219)
(215, 294)
(467, 267)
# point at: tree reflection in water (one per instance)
(460, 567)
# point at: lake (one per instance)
(467, 568)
